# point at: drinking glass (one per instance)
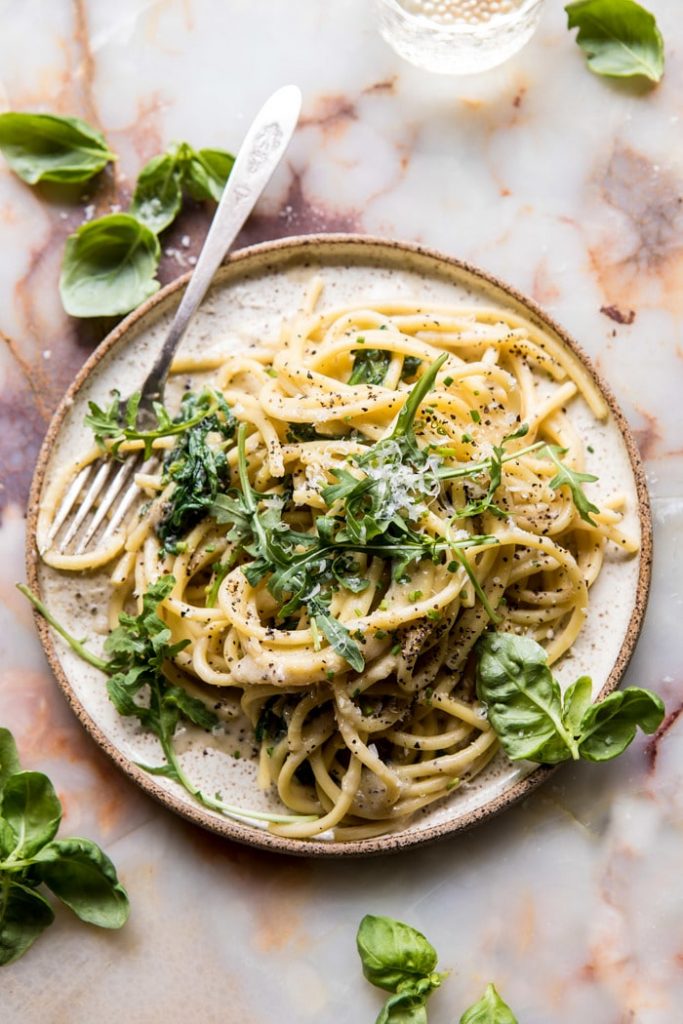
(457, 37)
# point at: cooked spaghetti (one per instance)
(344, 513)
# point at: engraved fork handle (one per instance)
(259, 155)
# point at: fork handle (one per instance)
(258, 156)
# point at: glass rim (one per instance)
(457, 28)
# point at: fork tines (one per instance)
(98, 486)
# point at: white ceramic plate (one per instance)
(251, 295)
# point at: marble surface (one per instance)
(569, 187)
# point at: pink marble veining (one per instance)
(567, 186)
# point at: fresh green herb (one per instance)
(414, 595)
(196, 467)
(475, 416)
(270, 724)
(572, 479)
(536, 722)
(304, 569)
(398, 959)
(109, 266)
(411, 364)
(138, 651)
(369, 366)
(158, 194)
(489, 1010)
(565, 477)
(294, 579)
(204, 171)
(111, 432)
(76, 870)
(495, 471)
(619, 37)
(46, 147)
(302, 432)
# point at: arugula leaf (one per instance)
(9, 758)
(138, 649)
(489, 1010)
(337, 634)
(32, 810)
(197, 469)
(46, 147)
(532, 719)
(110, 433)
(393, 953)
(158, 195)
(619, 37)
(495, 469)
(369, 366)
(109, 266)
(24, 914)
(406, 417)
(84, 878)
(571, 478)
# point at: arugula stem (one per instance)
(247, 492)
(230, 810)
(76, 645)
(459, 554)
(479, 467)
(407, 415)
(165, 740)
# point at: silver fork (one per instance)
(259, 155)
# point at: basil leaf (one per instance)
(205, 171)
(45, 147)
(619, 37)
(32, 809)
(393, 953)
(609, 727)
(9, 758)
(489, 1010)
(84, 878)
(8, 839)
(577, 699)
(403, 1008)
(531, 719)
(524, 701)
(109, 266)
(157, 197)
(24, 914)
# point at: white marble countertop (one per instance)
(569, 187)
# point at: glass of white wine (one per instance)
(457, 37)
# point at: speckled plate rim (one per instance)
(309, 245)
